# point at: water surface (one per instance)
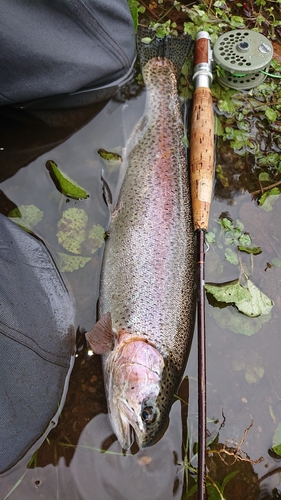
(243, 376)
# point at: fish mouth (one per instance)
(127, 427)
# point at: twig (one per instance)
(150, 10)
(266, 188)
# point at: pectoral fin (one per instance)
(101, 337)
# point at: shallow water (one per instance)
(243, 376)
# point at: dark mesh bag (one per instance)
(36, 341)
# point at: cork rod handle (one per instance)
(202, 156)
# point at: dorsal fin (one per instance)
(101, 336)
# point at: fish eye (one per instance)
(149, 411)
(148, 414)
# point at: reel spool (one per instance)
(243, 54)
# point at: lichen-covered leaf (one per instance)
(66, 186)
(69, 263)
(26, 216)
(248, 300)
(96, 237)
(72, 229)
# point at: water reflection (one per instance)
(69, 464)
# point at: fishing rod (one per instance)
(244, 57)
(201, 179)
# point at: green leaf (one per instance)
(268, 199)
(26, 216)
(229, 293)
(74, 235)
(231, 256)
(224, 98)
(226, 224)
(210, 237)
(218, 128)
(250, 301)
(251, 250)
(147, 41)
(111, 158)
(270, 160)
(245, 239)
(236, 22)
(276, 440)
(70, 263)
(221, 176)
(213, 492)
(65, 185)
(263, 176)
(133, 5)
(271, 114)
(192, 490)
(228, 478)
(239, 225)
(72, 229)
(258, 303)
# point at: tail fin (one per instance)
(175, 48)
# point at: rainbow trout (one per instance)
(147, 293)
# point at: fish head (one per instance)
(133, 393)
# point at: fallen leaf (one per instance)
(109, 156)
(249, 299)
(276, 440)
(72, 229)
(231, 319)
(69, 263)
(26, 216)
(65, 185)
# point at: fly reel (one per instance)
(243, 55)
